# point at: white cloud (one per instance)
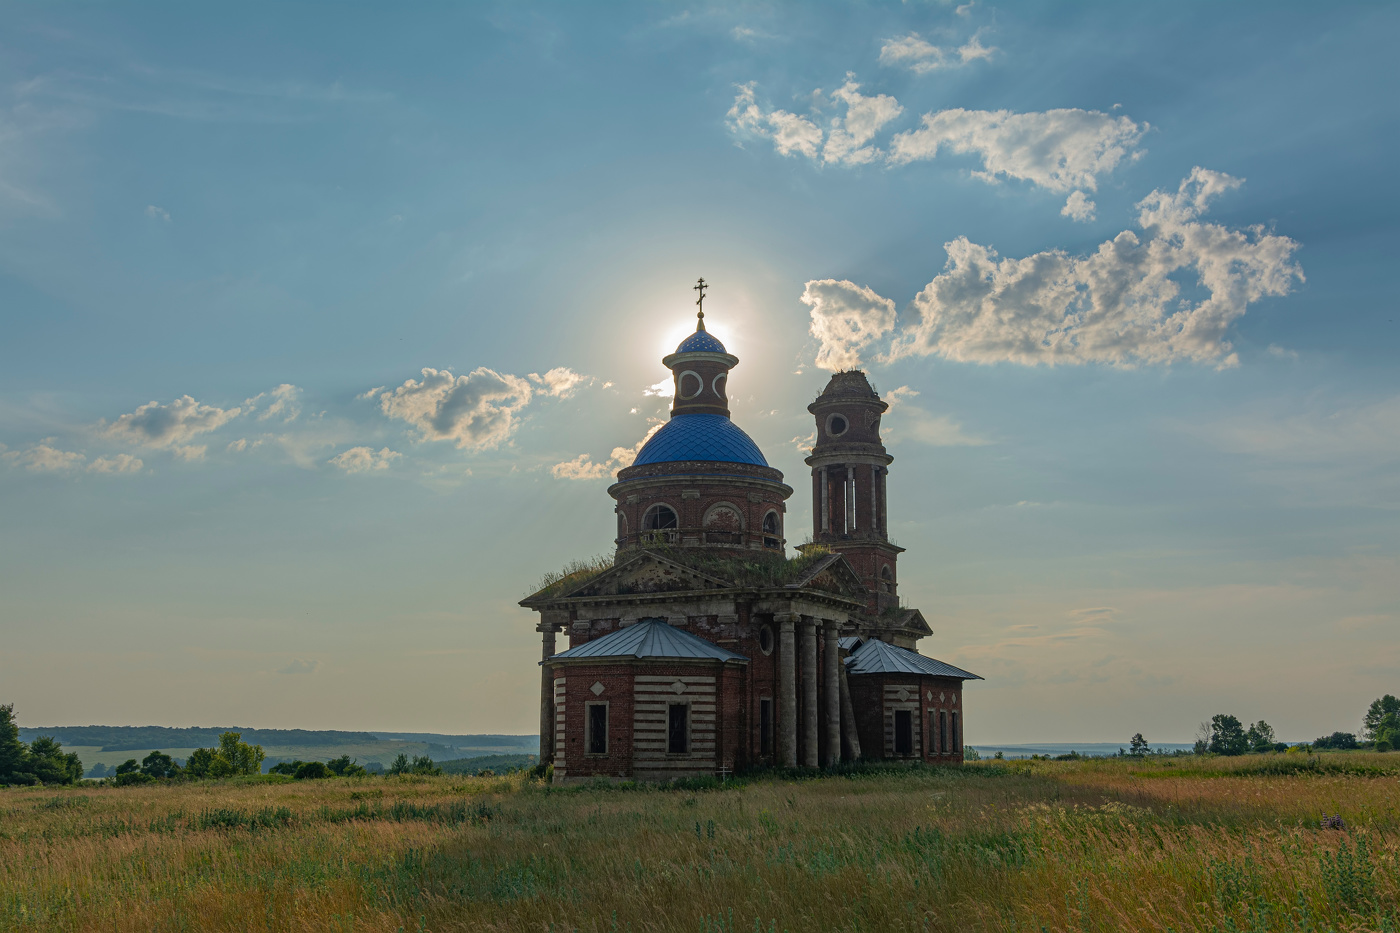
(478, 410)
(191, 453)
(282, 402)
(43, 458)
(560, 382)
(1118, 305)
(1055, 149)
(845, 318)
(118, 463)
(897, 396)
(919, 425)
(921, 56)
(1078, 207)
(157, 425)
(583, 466)
(364, 459)
(157, 213)
(845, 144)
(1282, 353)
(666, 388)
(789, 132)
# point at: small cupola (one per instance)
(700, 367)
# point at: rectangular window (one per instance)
(933, 746)
(678, 729)
(943, 730)
(903, 732)
(765, 727)
(957, 737)
(597, 739)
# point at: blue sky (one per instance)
(324, 327)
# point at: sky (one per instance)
(324, 327)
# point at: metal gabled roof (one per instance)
(650, 638)
(878, 657)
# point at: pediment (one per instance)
(646, 572)
(832, 574)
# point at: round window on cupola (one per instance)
(690, 384)
(836, 425)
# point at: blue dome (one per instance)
(700, 342)
(700, 437)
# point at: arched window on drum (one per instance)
(886, 580)
(772, 531)
(659, 524)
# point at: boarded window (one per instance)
(678, 729)
(903, 732)
(597, 729)
(957, 738)
(933, 747)
(765, 727)
(943, 730)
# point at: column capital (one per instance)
(786, 619)
(548, 628)
(808, 623)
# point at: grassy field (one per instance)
(1163, 844)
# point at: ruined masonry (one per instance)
(704, 650)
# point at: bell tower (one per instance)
(849, 470)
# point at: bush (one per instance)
(1383, 745)
(128, 778)
(312, 771)
(1337, 740)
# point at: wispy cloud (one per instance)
(584, 467)
(921, 56)
(364, 459)
(169, 425)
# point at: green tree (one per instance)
(1382, 717)
(344, 767)
(400, 765)
(1227, 735)
(1137, 745)
(48, 762)
(422, 764)
(128, 767)
(1261, 737)
(159, 765)
(12, 751)
(232, 757)
(312, 771)
(200, 764)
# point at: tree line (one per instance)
(1226, 735)
(43, 761)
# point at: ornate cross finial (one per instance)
(700, 287)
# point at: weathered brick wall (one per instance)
(876, 697)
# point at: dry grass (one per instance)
(1092, 845)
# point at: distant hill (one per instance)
(497, 763)
(145, 738)
(464, 741)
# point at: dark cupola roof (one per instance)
(700, 437)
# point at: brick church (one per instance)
(704, 649)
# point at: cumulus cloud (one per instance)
(666, 388)
(584, 467)
(790, 133)
(921, 56)
(364, 459)
(560, 382)
(282, 402)
(478, 410)
(1119, 305)
(846, 144)
(846, 318)
(118, 463)
(846, 141)
(167, 426)
(1078, 207)
(1055, 149)
(43, 458)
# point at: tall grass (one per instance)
(1061, 846)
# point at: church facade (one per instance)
(704, 649)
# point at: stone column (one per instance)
(809, 692)
(831, 683)
(848, 715)
(787, 689)
(546, 694)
